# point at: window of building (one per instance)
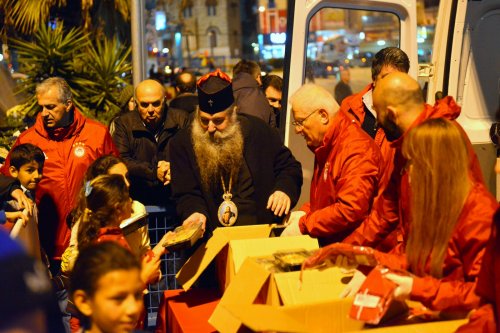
(211, 10)
(212, 38)
(188, 11)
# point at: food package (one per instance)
(374, 297)
(291, 260)
(183, 237)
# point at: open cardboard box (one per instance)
(262, 300)
(256, 284)
(231, 246)
(320, 317)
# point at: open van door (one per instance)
(365, 25)
(466, 65)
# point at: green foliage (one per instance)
(105, 71)
(95, 72)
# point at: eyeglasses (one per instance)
(300, 123)
(155, 104)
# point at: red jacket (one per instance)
(353, 105)
(68, 152)
(392, 208)
(455, 291)
(488, 287)
(347, 172)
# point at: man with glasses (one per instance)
(142, 138)
(227, 161)
(347, 168)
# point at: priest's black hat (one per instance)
(215, 92)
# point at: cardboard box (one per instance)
(323, 317)
(231, 246)
(262, 300)
(255, 284)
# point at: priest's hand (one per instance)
(279, 202)
(196, 218)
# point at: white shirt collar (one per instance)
(368, 102)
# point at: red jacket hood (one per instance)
(444, 108)
(61, 133)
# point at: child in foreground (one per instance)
(106, 288)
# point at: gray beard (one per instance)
(218, 154)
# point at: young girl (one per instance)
(107, 289)
(107, 203)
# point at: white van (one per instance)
(465, 60)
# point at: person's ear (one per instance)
(324, 118)
(82, 302)
(392, 113)
(69, 105)
(13, 171)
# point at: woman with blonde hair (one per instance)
(450, 222)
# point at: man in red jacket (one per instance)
(70, 142)
(347, 168)
(400, 106)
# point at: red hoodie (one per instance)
(68, 153)
(392, 208)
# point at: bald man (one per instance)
(347, 168)
(400, 106)
(142, 137)
(185, 87)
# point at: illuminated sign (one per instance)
(277, 38)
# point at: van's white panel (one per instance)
(404, 9)
(474, 77)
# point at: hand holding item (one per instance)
(279, 203)
(22, 200)
(14, 216)
(292, 229)
(353, 286)
(150, 268)
(404, 285)
(196, 218)
(163, 172)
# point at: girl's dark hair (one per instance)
(99, 167)
(102, 197)
(96, 260)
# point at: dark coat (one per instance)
(141, 152)
(251, 100)
(271, 165)
(185, 101)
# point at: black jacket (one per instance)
(251, 100)
(141, 152)
(185, 101)
(272, 167)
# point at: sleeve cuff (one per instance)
(302, 225)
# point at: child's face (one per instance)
(29, 174)
(116, 304)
